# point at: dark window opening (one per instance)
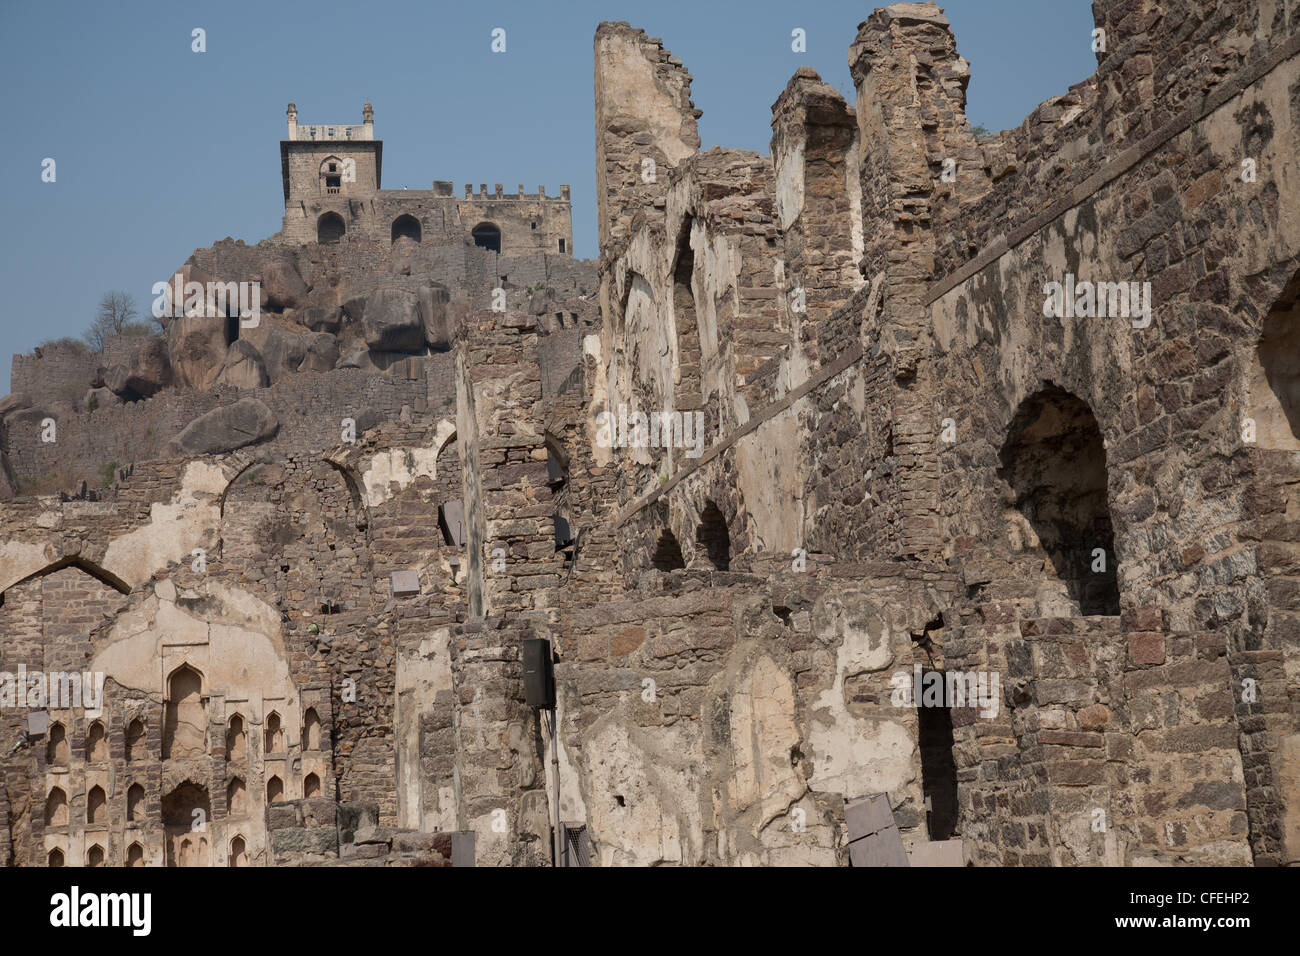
(1055, 462)
(534, 225)
(333, 168)
(714, 537)
(487, 236)
(938, 771)
(668, 553)
(561, 245)
(445, 528)
(563, 534)
(406, 227)
(330, 228)
(232, 329)
(333, 182)
(331, 607)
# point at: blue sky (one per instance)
(161, 150)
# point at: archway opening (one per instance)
(1054, 460)
(714, 537)
(330, 228)
(274, 735)
(96, 744)
(182, 809)
(311, 729)
(135, 803)
(487, 236)
(185, 723)
(668, 553)
(96, 806)
(56, 808)
(406, 227)
(56, 746)
(136, 748)
(235, 738)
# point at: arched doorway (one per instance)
(186, 812)
(487, 236)
(713, 536)
(185, 724)
(1055, 462)
(330, 228)
(406, 227)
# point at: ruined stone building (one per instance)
(332, 177)
(306, 556)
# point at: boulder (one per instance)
(322, 354)
(224, 429)
(282, 349)
(321, 318)
(369, 361)
(13, 402)
(99, 398)
(149, 372)
(392, 321)
(282, 286)
(243, 367)
(196, 347)
(354, 309)
(435, 316)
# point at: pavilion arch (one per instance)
(185, 804)
(1054, 461)
(185, 717)
(96, 743)
(96, 806)
(137, 745)
(135, 855)
(236, 738)
(238, 855)
(56, 745)
(330, 228)
(487, 235)
(406, 226)
(55, 858)
(95, 856)
(134, 803)
(273, 735)
(56, 808)
(311, 736)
